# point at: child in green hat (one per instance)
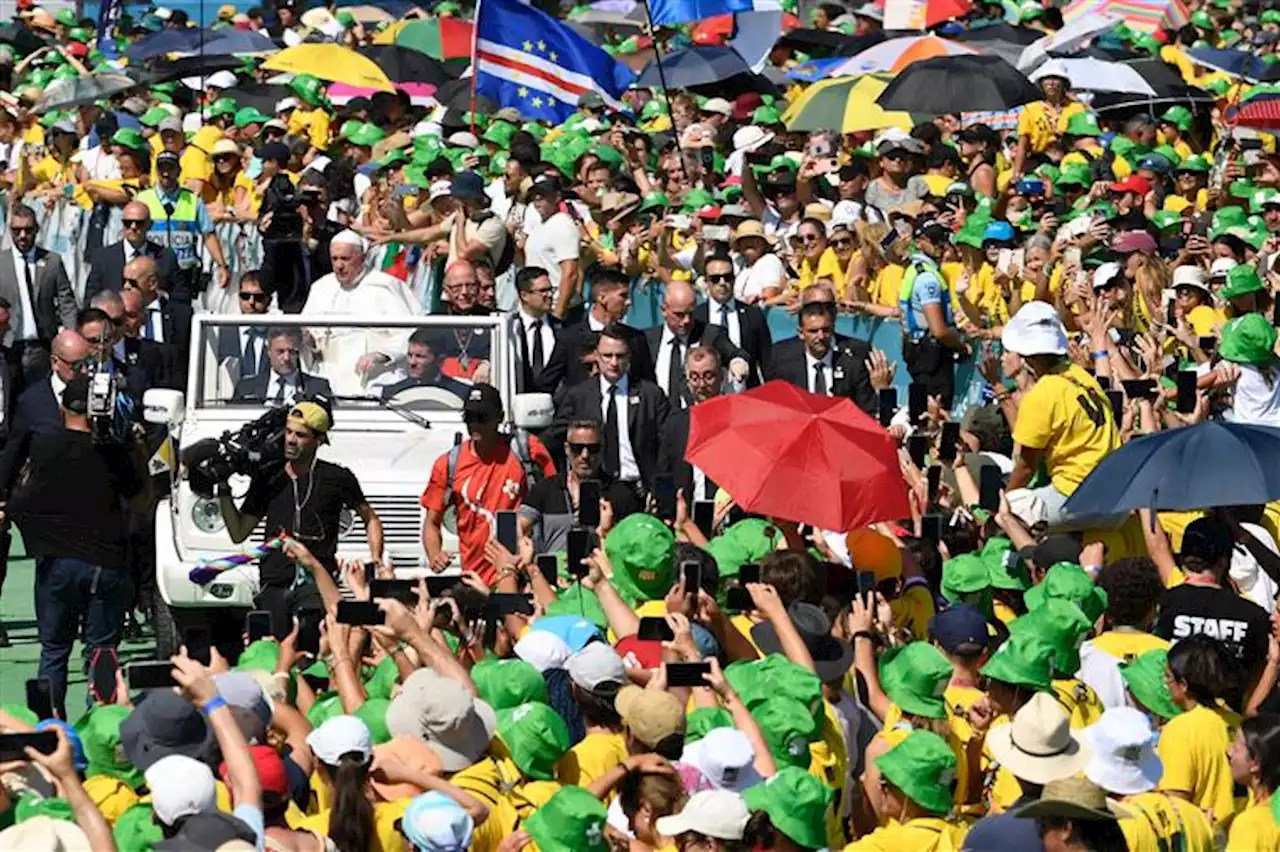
(795, 804)
(1144, 678)
(1060, 624)
(917, 778)
(572, 820)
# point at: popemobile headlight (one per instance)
(206, 514)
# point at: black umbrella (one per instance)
(1164, 80)
(403, 65)
(1093, 51)
(820, 44)
(951, 84)
(262, 96)
(694, 66)
(23, 39)
(456, 95)
(163, 70)
(1021, 36)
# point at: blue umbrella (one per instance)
(1237, 63)
(1195, 467)
(694, 66)
(168, 41)
(230, 40)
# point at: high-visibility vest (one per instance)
(179, 228)
(919, 264)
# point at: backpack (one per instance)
(519, 446)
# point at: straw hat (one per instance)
(1038, 745)
(751, 228)
(1076, 799)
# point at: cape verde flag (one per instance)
(529, 60)
(680, 11)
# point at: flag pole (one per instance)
(662, 78)
(475, 72)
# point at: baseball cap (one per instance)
(1051, 551)
(167, 158)
(271, 772)
(1104, 274)
(171, 124)
(1208, 539)
(276, 152)
(483, 401)
(597, 668)
(467, 185)
(712, 813)
(1035, 329)
(960, 629)
(719, 106)
(180, 786)
(338, 736)
(241, 689)
(725, 758)
(313, 416)
(1129, 242)
(1133, 183)
(435, 823)
(651, 715)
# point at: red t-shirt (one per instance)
(480, 488)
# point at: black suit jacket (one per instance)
(148, 364)
(230, 345)
(175, 319)
(675, 441)
(849, 376)
(564, 367)
(700, 334)
(36, 412)
(106, 269)
(757, 343)
(254, 388)
(526, 378)
(647, 412)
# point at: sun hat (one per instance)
(963, 575)
(1035, 329)
(641, 549)
(165, 723)
(597, 668)
(651, 715)
(775, 676)
(543, 650)
(442, 713)
(505, 683)
(1076, 799)
(46, 834)
(435, 823)
(923, 767)
(796, 803)
(1007, 568)
(1039, 745)
(1248, 339)
(1144, 677)
(750, 228)
(721, 814)
(1023, 660)
(831, 657)
(1242, 280)
(100, 737)
(129, 137)
(536, 736)
(915, 676)
(1069, 581)
(341, 735)
(180, 787)
(572, 820)
(1124, 758)
(1061, 625)
(1190, 276)
(725, 757)
(788, 728)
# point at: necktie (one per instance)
(31, 291)
(724, 317)
(675, 376)
(611, 456)
(280, 388)
(820, 379)
(537, 359)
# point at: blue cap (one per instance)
(960, 629)
(467, 185)
(574, 630)
(1155, 163)
(78, 760)
(435, 823)
(999, 231)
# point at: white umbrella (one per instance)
(1074, 34)
(1096, 75)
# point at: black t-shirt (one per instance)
(1188, 610)
(548, 505)
(71, 504)
(306, 508)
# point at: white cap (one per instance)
(711, 813)
(348, 237)
(276, 123)
(191, 122)
(1103, 274)
(180, 786)
(338, 736)
(1036, 329)
(1124, 759)
(870, 11)
(286, 103)
(318, 164)
(463, 139)
(750, 137)
(1189, 276)
(596, 664)
(724, 756)
(220, 80)
(1247, 573)
(543, 650)
(1220, 267)
(719, 106)
(164, 13)
(427, 128)
(440, 189)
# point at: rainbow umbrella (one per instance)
(846, 104)
(1145, 15)
(441, 38)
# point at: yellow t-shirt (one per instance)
(1080, 702)
(1255, 829)
(896, 729)
(195, 162)
(62, 176)
(227, 197)
(1162, 823)
(1027, 288)
(1043, 123)
(959, 699)
(110, 795)
(1067, 415)
(828, 267)
(923, 834)
(1193, 746)
(312, 123)
(982, 292)
(912, 611)
(497, 782)
(386, 837)
(886, 284)
(594, 756)
(1173, 55)
(1128, 644)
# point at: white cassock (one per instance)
(338, 349)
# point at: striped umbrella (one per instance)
(887, 56)
(1259, 109)
(442, 38)
(1145, 15)
(846, 104)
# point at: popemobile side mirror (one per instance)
(532, 411)
(164, 407)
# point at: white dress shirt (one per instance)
(662, 366)
(154, 328)
(544, 328)
(732, 327)
(272, 396)
(810, 361)
(593, 323)
(628, 470)
(21, 265)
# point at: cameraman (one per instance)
(71, 512)
(280, 223)
(302, 499)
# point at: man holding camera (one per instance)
(71, 511)
(179, 220)
(302, 499)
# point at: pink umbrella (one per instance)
(420, 94)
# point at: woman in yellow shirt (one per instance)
(915, 787)
(229, 194)
(818, 260)
(1194, 744)
(1255, 763)
(134, 162)
(876, 277)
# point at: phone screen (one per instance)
(704, 515)
(687, 674)
(548, 566)
(1139, 388)
(664, 494)
(989, 488)
(199, 643)
(589, 503)
(749, 573)
(257, 625)
(508, 604)
(1186, 391)
(931, 528)
(576, 548)
(508, 533)
(1207, 344)
(934, 480)
(947, 445)
(917, 445)
(40, 697)
(654, 629)
(692, 574)
(888, 405)
(405, 591)
(1117, 404)
(360, 613)
(150, 675)
(14, 746)
(917, 402)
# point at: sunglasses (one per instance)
(256, 297)
(136, 223)
(719, 279)
(809, 238)
(842, 242)
(590, 448)
(23, 229)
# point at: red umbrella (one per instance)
(1259, 113)
(940, 11)
(786, 453)
(718, 29)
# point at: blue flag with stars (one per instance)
(529, 60)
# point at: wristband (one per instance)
(213, 704)
(864, 634)
(1101, 353)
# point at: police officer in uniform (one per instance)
(180, 221)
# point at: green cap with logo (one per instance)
(1179, 116)
(1242, 280)
(508, 683)
(915, 676)
(642, 551)
(223, 106)
(571, 821)
(250, 115)
(796, 803)
(923, 767)
(1083, 124)
(537, 738)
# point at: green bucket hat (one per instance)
(1262, 197)
(504, 684)
(1241, 189)
(99, 731)
(654, 201)
(1166, 220)
(1242, 280)
(136, 830)
(129, 138)
(1022, 660)
(1006, 569)
(1249, 339)
(788, 727)
(479, 119)
(642, 551)
(1144, 678)
(261, 655)
(366, 135)
(1068, 581)
(1270, 16)
(153, 116)
(398, 157)
(923, 767)
(1075, 174)
(373, 712)
(1062, 626)
(1083, 124)
(537, 738)
(1123, 146)
(30, 806)
(1179, 116)
(915, 676)
(381, 682)
(704, 720)
(308, 88)
(1228, 217)
(223, 106)
(571, 821)
(970, 234)
(775, 676)
(963, 575)
(796, 803)
(327, 706)
(250, 115)
(22, 714)
(766, 115)
(500, 133)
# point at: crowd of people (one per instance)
(640, 661)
